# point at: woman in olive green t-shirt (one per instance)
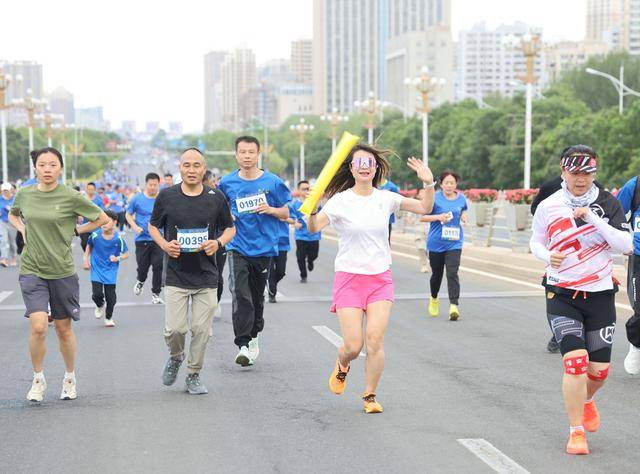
(46, 214)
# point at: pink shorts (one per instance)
(351, 290)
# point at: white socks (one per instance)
(38, 375)
(572, 429)
(70, 375)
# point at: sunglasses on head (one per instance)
(359, 162)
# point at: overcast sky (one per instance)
(143, 60)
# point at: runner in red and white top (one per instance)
(575, 232)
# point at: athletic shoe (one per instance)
(338, 379)
(244, 357)
(38, 387)
(254, 350)
(454, 312)
(303, 279)
(590, 417)
(632, 361)
(194, 386)
(424, 269)
(272, 298)
(552, 346)
(577, 443)
(155, 299)
(170, 372)
(68, 390)
(137, 288)
(99, 312)
(434, 307)
(370, 404)
(310, 265)
(109, 323)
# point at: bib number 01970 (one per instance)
(250, 203)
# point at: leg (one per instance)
(4, 240)
(273, 278)
(67, 341)
(221, 260)
(436, 260)
(377, 319)
(97, 293)
(301, 257)
(156, 259)
(143, 259)
(352, 335)
(39, 322)
(574, 386)
(257, 283)
(242, 310)
(452, 264)
(203, 305)
(111, 297)
(314, 250)
(176, 323)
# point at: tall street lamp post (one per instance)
(5, 81)
(302, 128)
(530, 47)
(371, 106)
(618, 84)
(334, 119)
(30, 105)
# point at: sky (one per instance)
(143, 60)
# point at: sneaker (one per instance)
(68, 390)
(338, 379)
(155, 299)
(577, 443)
(137, 288)
(254, 350)
(590, 417)
(434, 307)
(38, 387)
(370, 404)
(552, 346)
(194, 386)
(170, 372)
(109, 323)
(454, 312)
(632, 361)
(272, 298)
(244, 357)
(310, 265)
(99, 312)
(303, 279)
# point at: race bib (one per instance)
(191, 239)
(450, 233)
(250, 203)
(636, 224)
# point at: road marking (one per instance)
(492, 456)
(331, 336)
(4, 295)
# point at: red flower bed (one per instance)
(520, 196)
(481, 195)
(409, 192)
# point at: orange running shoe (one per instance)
(338, 379)
(370, 404)
(577, 443)
(590, 417)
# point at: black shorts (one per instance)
(60, 297)
(582, 320)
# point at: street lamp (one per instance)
(425, 85)
(302, 128)
(371, 106)
(5, 81)
(30, 105)
(618, 84)
(334, 118)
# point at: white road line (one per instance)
(4, 295)
(331, 336)
(492, 456)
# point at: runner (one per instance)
(278, 267)
(183, 223)
(444, 242)
(575, 231)
(8, 251)
(148, 254)
(167, 182)
(105, 250)
(46, 214)
(117, 203)
(363, 285)
(92, 195)
(307, 245)
(258, 200)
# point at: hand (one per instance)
(210, 247)
(423, 172)
(464, 219)
(172, 248)
(138, 230)
(557, 258)
(297, 225)
(86, 265)
(581, 213)
(446, 217)
(264, 209)
(113, 259)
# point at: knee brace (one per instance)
(600, 375)
(576, 365)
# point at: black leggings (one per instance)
(306, 253)
(451, 260)
(221, 260)
(102, 292)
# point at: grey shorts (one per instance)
(59, 297)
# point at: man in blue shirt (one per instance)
(148, 254)
(307, 245)
(8, 251)
(258, 201)
(388, 185)
(92, 195)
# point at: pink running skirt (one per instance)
(351, 290)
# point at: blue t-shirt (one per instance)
(141, 207)
(390, 186)
(117, 202)
(5, 207)
(104, 270)
(625, 196)
(97, 200)
(256, 234)
(284, 240)
(442, 238)
(303, 232)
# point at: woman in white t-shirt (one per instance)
(363, 286)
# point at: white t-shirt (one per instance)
(362, 224)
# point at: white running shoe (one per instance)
(244, 358)
(99, 312)
(254, 350)
(217, 314)
(155, 299)
(109, 323)
(632, 361)
(68, 390)
(137, 288)
(38, 387)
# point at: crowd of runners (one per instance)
(185, 234)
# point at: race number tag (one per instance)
(250, 203)
(450, 233)
(191, 239)
(636, 224)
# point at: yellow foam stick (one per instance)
(347, 142)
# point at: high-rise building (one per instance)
(490, 61)
(61, 102)
(30, 73)
(565, 55)
(634, 27)
(213, 90)
(301, 60)
(238, 76)
(129, 127)
(92, 118)
(607, 21)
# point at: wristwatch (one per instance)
(430, 186)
